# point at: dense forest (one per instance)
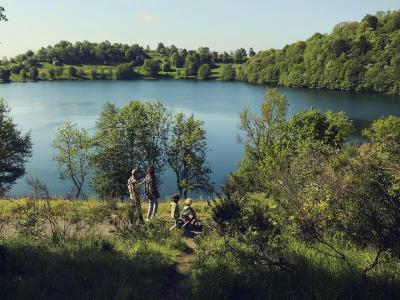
(360, 56)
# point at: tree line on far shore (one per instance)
(357, 56)
(120, 61)
(136, 135)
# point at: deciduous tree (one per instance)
(72, 154)
(204, 72)
(15, 148)
(187, 152)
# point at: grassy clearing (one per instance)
(68, 249)
(14, 209)
(107, 73)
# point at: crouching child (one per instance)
(188, 213)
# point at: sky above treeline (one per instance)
(218, 24)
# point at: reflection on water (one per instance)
(42, 106)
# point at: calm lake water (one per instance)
(42, 106)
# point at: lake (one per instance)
(42, 106)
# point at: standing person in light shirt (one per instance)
(135, 206)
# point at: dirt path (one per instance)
(181, 271)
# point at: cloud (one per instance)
(147, 17)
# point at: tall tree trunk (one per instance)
(78, 191)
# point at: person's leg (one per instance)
(139, 211)
(150, 210)
(175, 224)
(187, 221)
(131, 212)
(155, 207)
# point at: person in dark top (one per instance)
(151, 191)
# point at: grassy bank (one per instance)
(106, 72)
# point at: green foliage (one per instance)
(58, 72)
(306, 212)
(239, 56)
(252, 52)
(386, 133)
(204, 72)
(166, 66)
(81, 73)
(15, 148)
(134, 136)
(135, 54)
(321, 185)
(370, 213)
(125, 71)
(218, 274)
(72, 71)
(72, 154)
(187, 151)
(93, 73)
(355, 56)
(104, 58)
(260, 132)
(252, 229)
(330, 129)
(52, 73)
(5, 74)
(151, 67)
(23, 73)
(33, 73)
(228, 73)
(177, 60)
(192, 64)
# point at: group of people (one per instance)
(150, 190)
(187, 213)
(152, 194)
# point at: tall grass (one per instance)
(41, 260)
(219, 274)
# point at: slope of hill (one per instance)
(360, 56)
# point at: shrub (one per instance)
(204, 72)
(125, 71)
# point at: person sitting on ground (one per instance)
(188, 213)
(175, 210)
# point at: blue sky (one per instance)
(218, 24)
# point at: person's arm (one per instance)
(129, 186)
(143, 181)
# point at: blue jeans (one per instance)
(153, 206)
